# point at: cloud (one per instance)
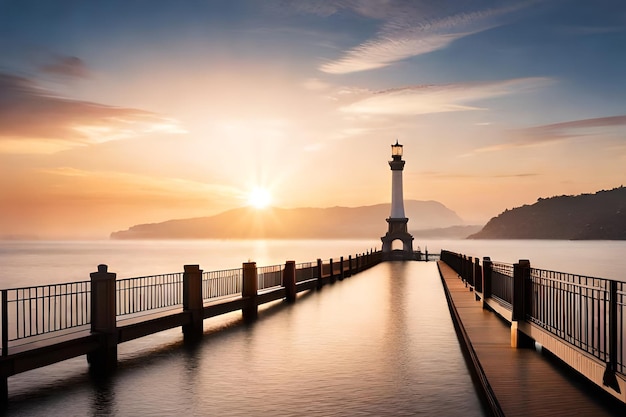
(562, 129)
(120, 186)
(36, 120)
(455, 176)
(412, 29)
(557, 132)
(315, 84)
(424, 99)
(67, 66)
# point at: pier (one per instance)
(540, 342)
(46, 324)
(521, 365)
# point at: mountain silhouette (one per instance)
(297, 223)
(599, 216)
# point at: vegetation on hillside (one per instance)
(599, 216)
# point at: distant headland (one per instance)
(599, 216)
(297, 223)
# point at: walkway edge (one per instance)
(478, 374)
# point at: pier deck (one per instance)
(524, 381)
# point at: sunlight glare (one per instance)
(259, 198)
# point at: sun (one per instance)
(259, 198)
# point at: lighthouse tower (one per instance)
(397, 219)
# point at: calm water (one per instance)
(379, 343)
(30, 263)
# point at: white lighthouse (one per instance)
(397, 219)
(397, 199)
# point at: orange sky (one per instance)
(110, 119)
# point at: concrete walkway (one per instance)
(525, 382)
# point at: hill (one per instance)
(599, 216)
(298, 223)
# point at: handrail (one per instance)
(28, 312)
(588, 313)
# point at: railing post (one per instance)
(487, 268)
(103, 320)
(5, 322)
(609, 378)
(320, 270)
(341, 273)
(469, 268)
(462, 268)
(289, 280)
(426, 253)
(4, 379)
(521, 274)
(192, 302)
(332, 271)
(349, 274)
(250, 290)
(478, 276)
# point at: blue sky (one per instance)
(139, 111)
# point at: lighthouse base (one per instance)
(398, 231)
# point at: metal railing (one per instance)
(43, 309)
(337, 266)
(620, 325)
(502, 283)
(29, 312)
(585, 312)
(142, 294)
(454, 260)
(270, 276)
(306, 271)
(217, 284)
(576, 309)
(326, 268)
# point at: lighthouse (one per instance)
(397, 221)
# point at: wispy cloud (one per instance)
(562, 129)
(461, 176)
(67, 66)
(119, 186)
(34, 120)
(424, 99)
(315, 84)
(557, 132)
(411, 29)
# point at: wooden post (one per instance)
(341, 273)
(332, 272)
(5, 322)
(192, 302)
(487, 268)
(463, 269)
(469, 269)
(249, 292)
(289, 280)
(349, 266)
(103, 321)
(521, 274)
(478, 276)
(4, 379)
(320, 278)
(609, 379)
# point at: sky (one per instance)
(115, 113)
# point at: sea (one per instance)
(378, 343)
